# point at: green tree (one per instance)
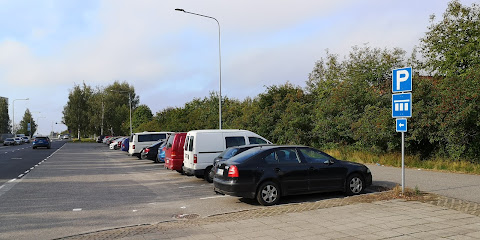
(452, 46)
(141, 115)
(27, 118)
(117, 107)
(4, 117)
(77, 111)
(96, 113)
(352, 98)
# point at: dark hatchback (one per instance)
(41, 142)
(151, 151)
(269, 172)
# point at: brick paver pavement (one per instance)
(358, 217)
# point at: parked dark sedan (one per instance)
(269, 172)
(151, 151)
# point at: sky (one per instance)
(171, 57)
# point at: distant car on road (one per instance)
(41, 142)
(9, 142)
(18, 141)
(269, 172)
(66, 136)
(26, 139)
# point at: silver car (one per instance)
(18, 141)
(9, 141)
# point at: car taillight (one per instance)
(233, 171)
(194, 158)
(147, 150)
(174, 154)
(133, 146)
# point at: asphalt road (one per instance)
(15, 160)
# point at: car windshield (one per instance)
(9, 139)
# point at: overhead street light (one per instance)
(219, 62)
(13, 113)
(130, 102)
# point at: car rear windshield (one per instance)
(151, 137)
(9, 139)
(170, 140)
(242, 157)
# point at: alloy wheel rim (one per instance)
(269, 193)
(356, 185)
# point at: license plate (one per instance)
(220, 171)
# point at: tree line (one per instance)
(347, 100)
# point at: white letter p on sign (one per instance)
(401, 78)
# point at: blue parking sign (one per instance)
(401, 124)
(402, 80)
(402, 105)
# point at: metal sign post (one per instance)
(402, 106)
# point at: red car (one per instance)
(174, 151)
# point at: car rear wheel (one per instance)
(209, 175)
(355, 184)
(268, 194)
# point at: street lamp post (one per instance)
(13, 113)
(219, 63)
(130, 102)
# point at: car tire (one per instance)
(208, 174)
(354, 185)
(140, 155)
(34, 147)
(268, 194)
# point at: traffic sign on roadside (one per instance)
(402, 105)
(402, 80)
(401, 124)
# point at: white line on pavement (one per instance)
(220, 196)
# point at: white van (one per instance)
(138, 141)
(202, 146)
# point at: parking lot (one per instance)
(86, 190)
(87, 187)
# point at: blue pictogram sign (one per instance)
(402, 105)
(401, 124)
(402, 80)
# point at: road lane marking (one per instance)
(186, 187)
(17, 158)
(77, 209)
(221, 196)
